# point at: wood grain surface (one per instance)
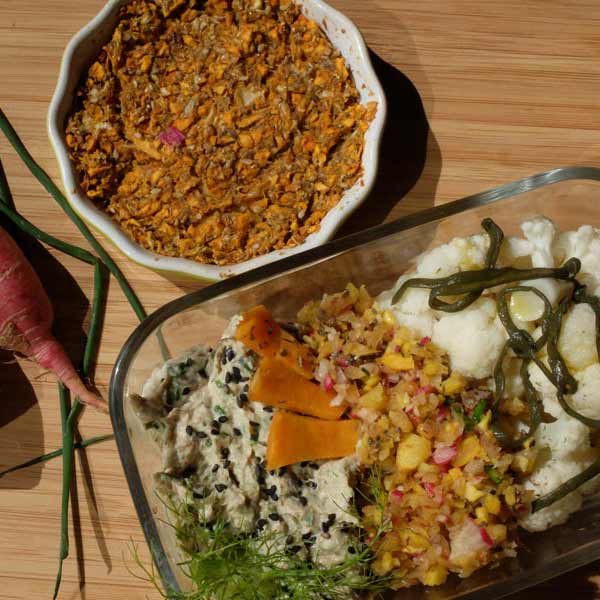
(480, 93)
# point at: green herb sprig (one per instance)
(101, 265)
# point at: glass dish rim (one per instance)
(512, 584)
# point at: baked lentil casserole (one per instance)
(217, 131)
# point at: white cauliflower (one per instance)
(586, 399)
(577, 342)
(460, 254)
(473, 338)
(585, 245)
(564, 447)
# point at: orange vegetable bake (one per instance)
(217, 131)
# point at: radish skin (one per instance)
(26, 318)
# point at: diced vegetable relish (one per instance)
(451, 495)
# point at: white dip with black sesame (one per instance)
(214, 445)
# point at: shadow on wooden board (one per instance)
(407, 146)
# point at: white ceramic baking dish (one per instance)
(85, 46)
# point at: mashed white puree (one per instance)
(474, 337)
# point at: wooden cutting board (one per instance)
(480, 93)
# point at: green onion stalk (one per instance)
(101, 264)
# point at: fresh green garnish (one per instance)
(219, 410)
(223, 564)
(493, 474)
(479, 410)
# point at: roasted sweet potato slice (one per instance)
(294, 438)
(275, 384)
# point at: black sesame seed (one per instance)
(224, 358)
(215, 468)
(201, 435)
(215, 424)
(281, 472)
(304, 463)
(189, 430)
(223, 419)
(274, 517)
(224, 452)
(244, 397)
(289, 540)
(220, 487)
(236, 374)
(306, 536)
(230, 354)
(226, 464)
(261, 523)
(331, 517)
(245, 388)
(268, 409)
(314, 466)
(185, 391)
(215, 431)
(325, 526)
(351, 550)
(198, 496)
(294, 549)
(261, 480)
(303, 500)
(228, 377)
(237, 431)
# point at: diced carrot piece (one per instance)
(275, 384)
(296, 356)
(293, 439)
(259, 331)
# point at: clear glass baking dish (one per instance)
(375, 257)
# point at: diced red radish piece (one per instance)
(485, 536)
(426, 389)
(328, 383)
(442, 456)
(397, 348)
(442, 413)
(396, 496)
(429, 488)
(172, 137)
(340, 361)
(424, 341)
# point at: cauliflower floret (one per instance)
(472, 337)
(515, 252)
(542, 233)
(543, 481)
(460, 254)
(412, 310)
(585, 245)
(564, 448)
(587, 398)
(577, 342)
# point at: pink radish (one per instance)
(26, 320)
(442, 456)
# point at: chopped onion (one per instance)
(172, 137)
